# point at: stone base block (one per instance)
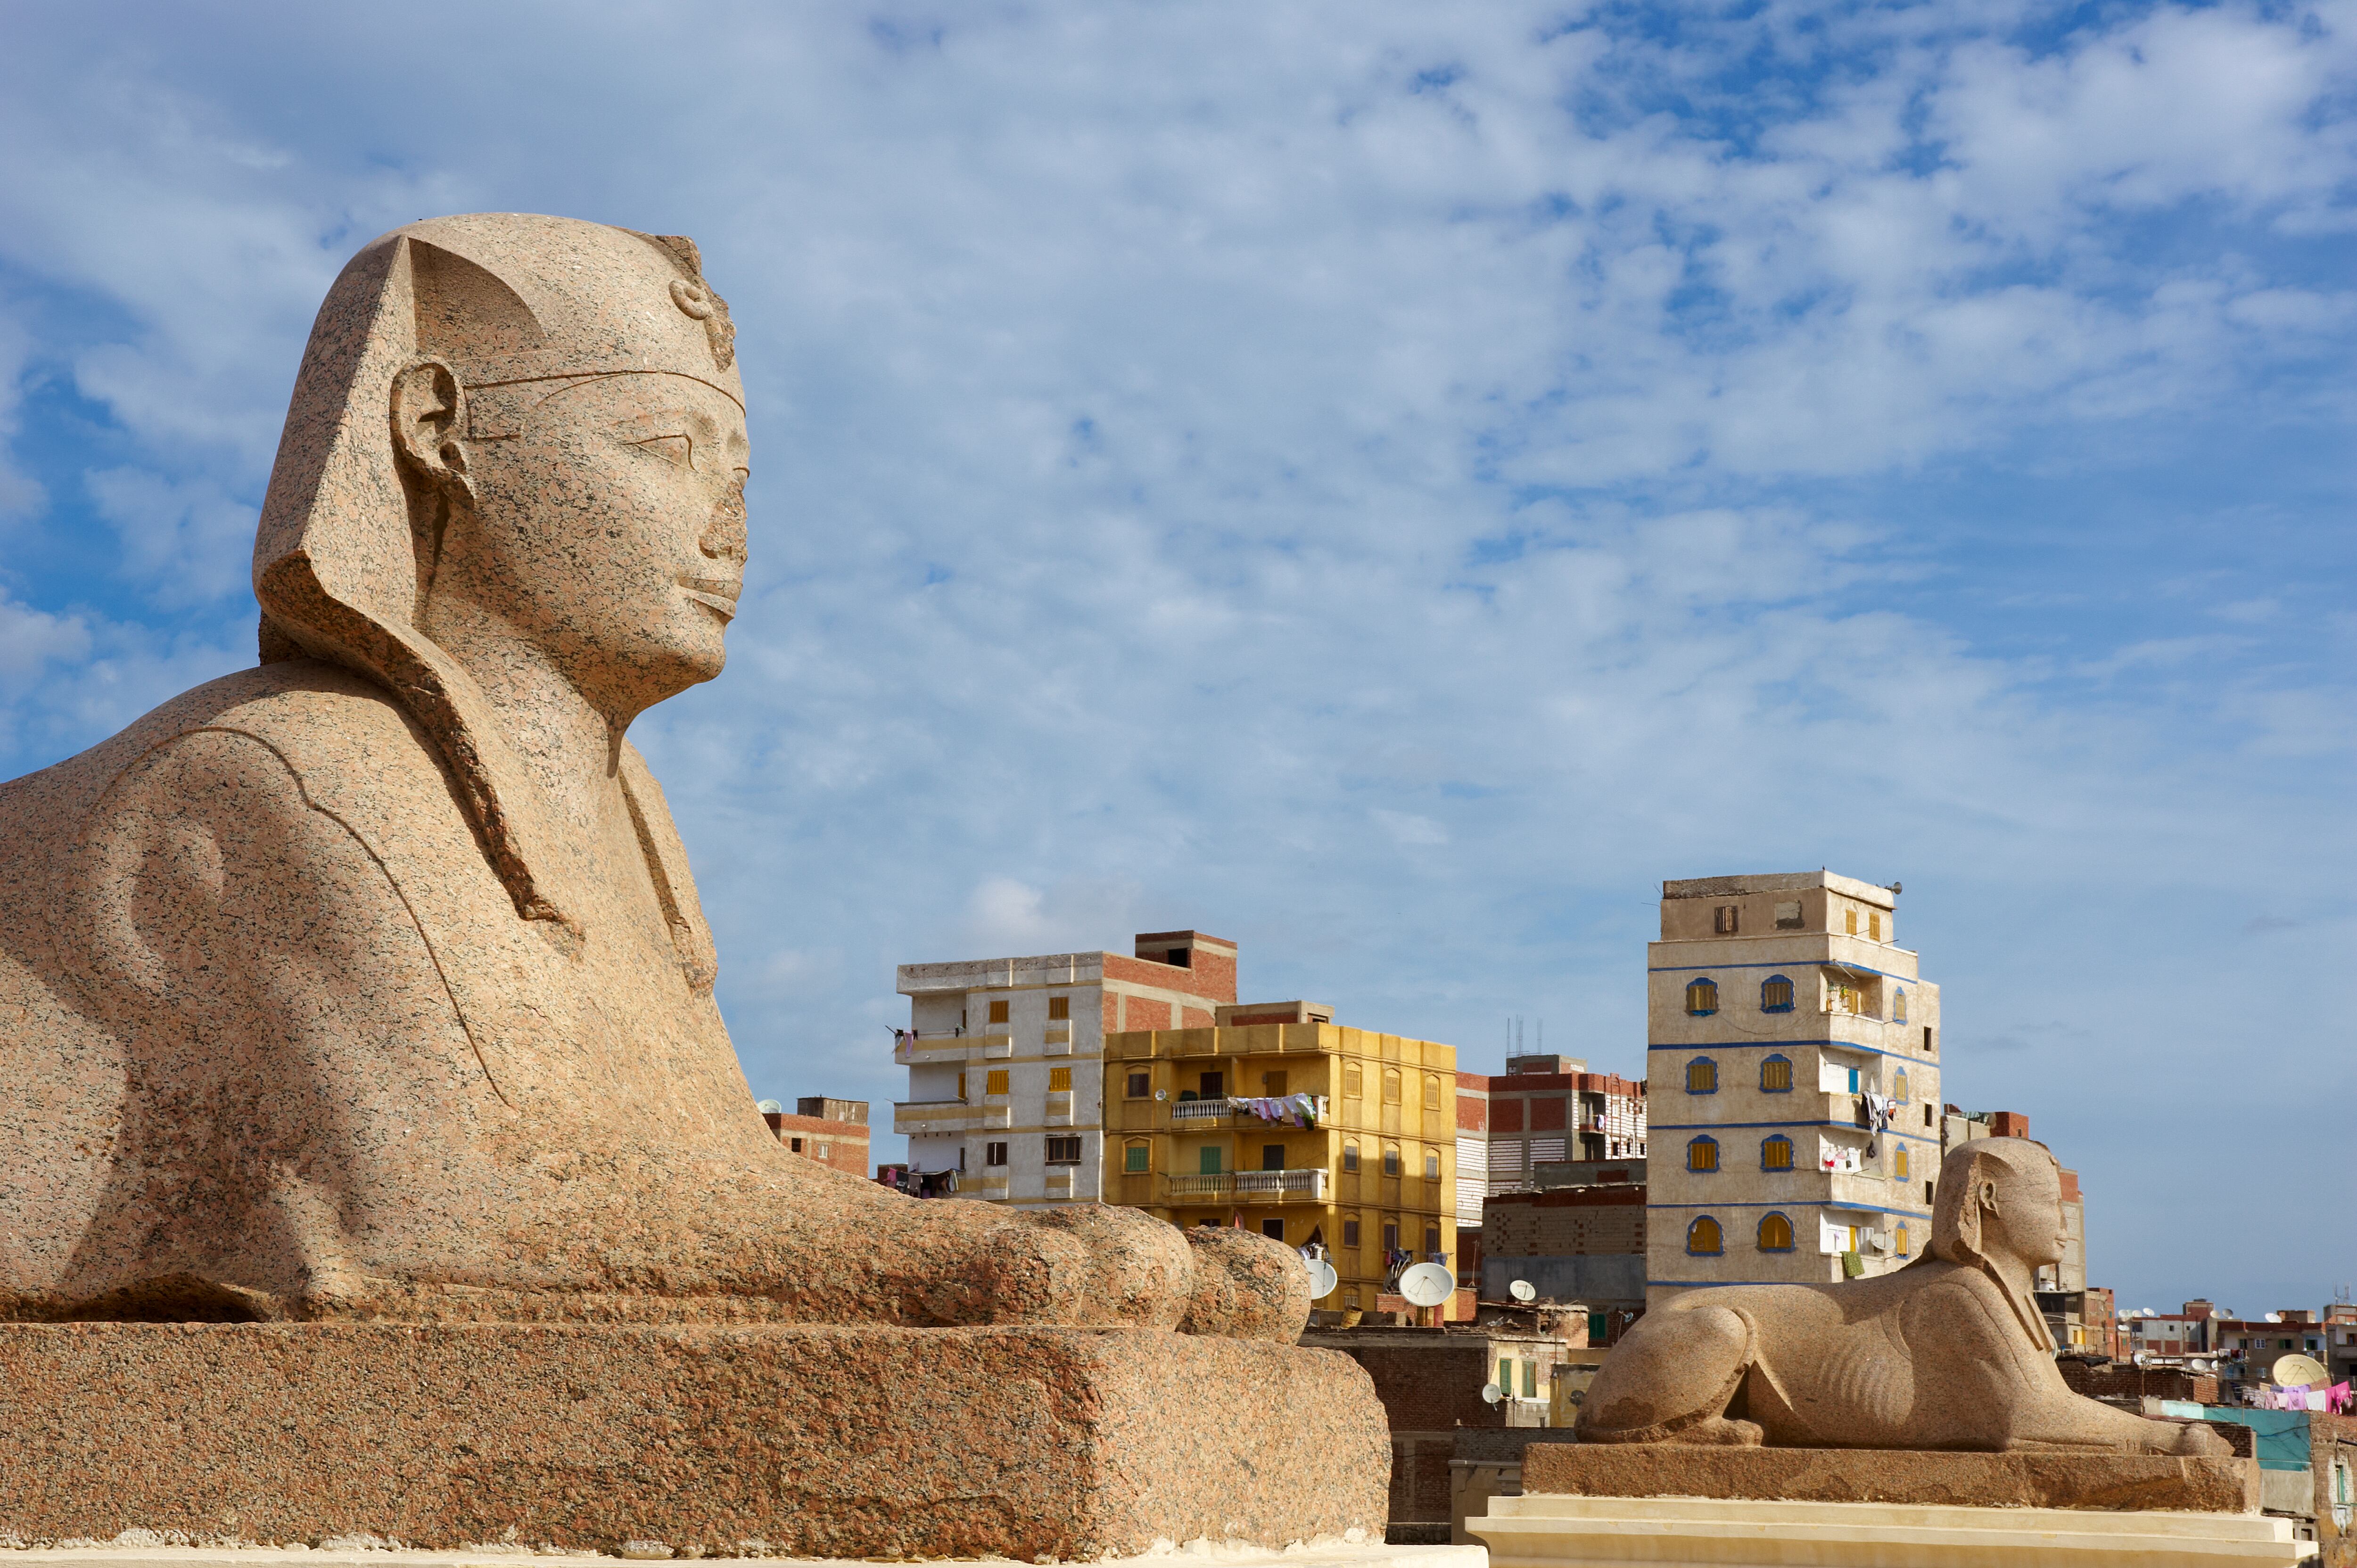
(1025, 1443)
(117, 1554)
(1558, 1531)
(2111, 1482)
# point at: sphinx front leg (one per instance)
(1671, 1378)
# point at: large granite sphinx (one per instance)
(368, 989)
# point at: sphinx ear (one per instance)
(429, 415)
(1979, 1194)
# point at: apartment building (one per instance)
(831, 1131)
(1278, 1119)
(1542, 1109)
(1005, 1057)
(1794, 1057)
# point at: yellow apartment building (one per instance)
(1280, 1120)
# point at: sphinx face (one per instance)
(609, 530)
(2029, 1211)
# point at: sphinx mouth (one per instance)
(717, 595)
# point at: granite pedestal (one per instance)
(798, 1442)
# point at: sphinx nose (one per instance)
(724, 536)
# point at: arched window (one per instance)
(1431, 1092)
(1136, 1156)
(1390, 1160)
(1775, 1233)
(1899, 1162)
(1702, 997)
(1899, 1086)
(1351, 1156)
(1391, 1086)
(1776, 1153)
(1702, 1154)
(1702, 1076)
(1776, 1075)
(1776, 993)
(1703, 1238)
(1899, 1006)
(1902, 1241)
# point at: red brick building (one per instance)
(831, 1131)
(1541, 1111)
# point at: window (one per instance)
(1927, 1040)
(1351, 1082)
(999, 1011)
(1899, 1006)
(1724, 918)
(1272, 1157)
(1776, 1153)
(1207, 1159)
(1431, 1166)
(1391, 1086)
(1431, 1092)
(1273, 1229)
(1899, 1237)
(1505, 1376)
(1063, 1151)
(1927, 1113)
(1927, 1194)
(1349, 1156)
(822, 1151)
(795, 1145)
(1874, 926)
(1530, 1380)
(1775, 1233)
(1351, 1232)
(1776, 993)
(1788, 916)
(1899, 1085)
(1702, 1076)
(1899, 1161)
(1141, 1085)
(1849, 922)
(1273, 1084)
(1060, 1009)
(961, 1086)
(1179, 958)
(1391, 1162)
(1060, 1080)
(1702, 997)
(1391, 1235)
(1136, 1156)
(1702, 1154)
(1776, 1076)
(995, 1082)
(1215, 1086)
(1432, 1240)
(1703, 1238)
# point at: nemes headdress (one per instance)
(1956, 1215)
(506, 300)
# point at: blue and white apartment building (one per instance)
(1794, 1069)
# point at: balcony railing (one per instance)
(1278, 1187)
(1197, 1188)
(946, 1116)
(1187, 1111)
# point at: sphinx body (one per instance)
(318, 997)
(1948, 1353)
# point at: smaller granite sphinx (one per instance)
(1947, 1353)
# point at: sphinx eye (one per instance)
(680, 449)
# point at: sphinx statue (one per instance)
(371, 983)
(1950, 1352)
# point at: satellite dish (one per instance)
(1492, 1393)
(1161, 1094)
(1522, 1290)
(1427, 1284)
(2298, 1373)
(2142, 1359)
(769, 1107)
(1322, 1280)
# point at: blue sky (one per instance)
(1388, 484)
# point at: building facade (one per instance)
(1795, 1070)
(1583, 1244)
(1541, 1110)
(831, 1131)
(1005, 1057)
(1281, 1121)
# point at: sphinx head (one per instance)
(1999, 1199)
(526, 426)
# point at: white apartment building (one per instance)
(1005, 1057)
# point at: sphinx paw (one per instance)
(1247, 1286)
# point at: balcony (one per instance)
(1281, 1186)
(982, 1184)
(912, 1116)
(1255, 1188)
(913, 1049)
(1197, 1112)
